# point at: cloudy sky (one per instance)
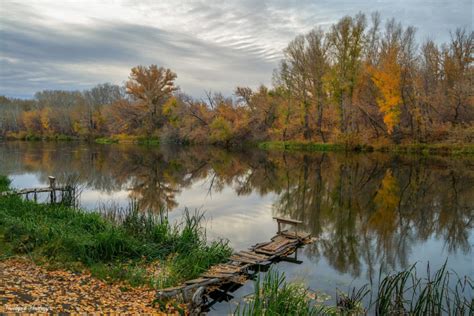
(217, 45)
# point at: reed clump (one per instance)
(401, 293)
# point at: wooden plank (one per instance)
(265, 252)
(217, 275)
(224, 268)
(194, 281)
(260, 244)
(172, 291)
(295, 235)
(287, 220)
(243, 259)
(276, 245)
(253, 255)
(282, 250)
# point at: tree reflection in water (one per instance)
(365, 209)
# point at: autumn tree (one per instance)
(317, 67)
(387, 79)
(459, 73)
(151, 87)
(286, 116)
(94, 100)
(346, 40)
(262, 107)
(296, 59)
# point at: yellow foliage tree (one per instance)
(45, 119)
(387, 79)
(31, 121)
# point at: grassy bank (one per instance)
(114, 139)
(296, 145)
(401, 293)
(139, 249)
(424, 149)
(128, 139)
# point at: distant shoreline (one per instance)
(306, 146)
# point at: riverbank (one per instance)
(455, 149)
(114, 139)
(136, 250)
(415, 148)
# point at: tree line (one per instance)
(360, 81)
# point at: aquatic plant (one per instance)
(400, 293)
(273, 295)
(405, 293)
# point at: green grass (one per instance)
(114, 250)
(4, 183)
(106, 140)
(415, 148)
(296, 145)
(141, 140)
(148, 140)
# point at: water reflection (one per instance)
(365, 209)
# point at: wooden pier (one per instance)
(238, 269)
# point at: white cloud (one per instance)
(211, 45)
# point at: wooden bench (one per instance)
(281, 220)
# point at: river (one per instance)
(369, 212)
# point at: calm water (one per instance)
(369, 212)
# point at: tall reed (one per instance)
(401, 293)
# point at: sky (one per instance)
(211, 45)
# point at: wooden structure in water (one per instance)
(238, 269)
(53, 190)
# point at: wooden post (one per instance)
(52, 185)
(294, 222)
(51, 182)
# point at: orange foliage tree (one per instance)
(387, 79)
(151, 86)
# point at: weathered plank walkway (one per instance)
(236, 270)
